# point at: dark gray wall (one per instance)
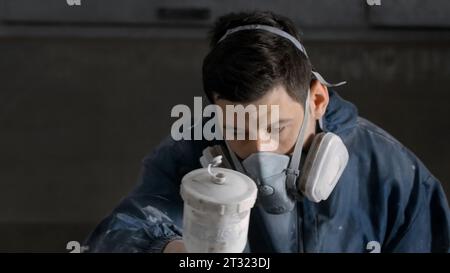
(76, 119)
(78, 114)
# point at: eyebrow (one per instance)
(280, 122)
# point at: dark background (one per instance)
(86, 92)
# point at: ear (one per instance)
(319, 99)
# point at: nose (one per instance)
(250, 147)
(260, 144)
(264, 143)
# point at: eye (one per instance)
(277, 128)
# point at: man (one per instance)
(385, 200)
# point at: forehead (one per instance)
(278, 100)
(276, 96)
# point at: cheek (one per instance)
(287, 141)
(288, 138)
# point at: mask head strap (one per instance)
(270, 29)
(293, 171)
(284, 34)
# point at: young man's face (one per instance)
(290, 117)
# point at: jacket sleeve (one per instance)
(426, 226)
(150, 216)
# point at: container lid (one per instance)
(226, 192)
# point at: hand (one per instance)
(175, 246)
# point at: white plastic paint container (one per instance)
(217, 206)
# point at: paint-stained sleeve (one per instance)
(150, 216)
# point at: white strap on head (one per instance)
(319, 77)
(285, 35)
(270, 29)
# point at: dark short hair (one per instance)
(249, 63)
